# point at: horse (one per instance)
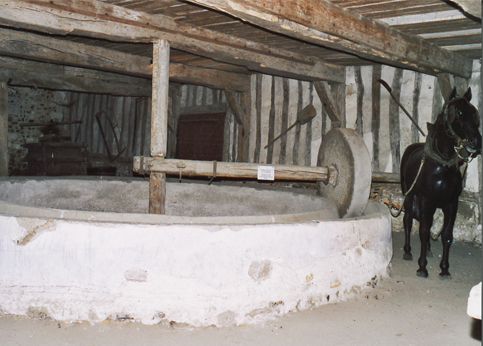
(432, 176)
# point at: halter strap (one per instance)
(448, 127)
(430, 147)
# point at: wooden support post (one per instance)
(157, 193)
(3, 129)
(445, 85)
(160, 102)
(244, 130)
(175, 92)
(327, 99)
(159, 124)
(235, 106)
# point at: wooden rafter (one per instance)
(52, 50)
(20, 72)
(100, 20)
(323, 23)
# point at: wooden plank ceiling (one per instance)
(238, 35)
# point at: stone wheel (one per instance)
(344, 151)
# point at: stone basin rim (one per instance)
(8, 208)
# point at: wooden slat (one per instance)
(258, 107)
(327, 24)
(190, 168)
(394, 122)
(436, 26)
(244, 130)
(96, 19)
(3, 128)
(415, 112)
(376, 115)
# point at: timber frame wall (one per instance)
(363, 105)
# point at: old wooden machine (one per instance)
(54, 153)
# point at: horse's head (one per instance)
(462, 123)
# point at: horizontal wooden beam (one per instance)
(101, 20)
(324, 23)
(188, 168)
(53, 50)
(383, 177)
(215, 79)
(18, 72)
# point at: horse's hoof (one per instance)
(429, 254)
(422, 273)
(407, 257)
(445, 275)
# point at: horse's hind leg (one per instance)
(447, 237)
(426, 221)
(429, 253)
(408, 224)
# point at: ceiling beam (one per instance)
(101, 20)
(323, 23)
(30, 46)
(27, 73)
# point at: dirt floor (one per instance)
(401, 310)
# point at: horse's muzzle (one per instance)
(472, 146)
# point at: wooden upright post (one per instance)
(3, 129)
(159, 124)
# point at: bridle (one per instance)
(462, 153)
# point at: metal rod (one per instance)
(388, 88)
(280, 135)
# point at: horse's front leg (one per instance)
(447, 236)
(427, 210)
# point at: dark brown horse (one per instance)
(432, 175)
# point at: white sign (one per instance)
(266, 173)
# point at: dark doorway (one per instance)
(200, 137)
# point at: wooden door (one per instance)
(200, 137)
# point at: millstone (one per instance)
(344, 151)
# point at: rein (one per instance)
(408, 191)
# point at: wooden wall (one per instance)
(363, 103)
(130, 120)
(366, 107)
(386, 130)
(275, 104)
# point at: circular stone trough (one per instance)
(86, 250)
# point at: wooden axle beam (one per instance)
(190, 168)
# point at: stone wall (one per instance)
(29, 105)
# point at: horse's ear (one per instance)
(453, 94)
(467, 95)
(429, 125)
